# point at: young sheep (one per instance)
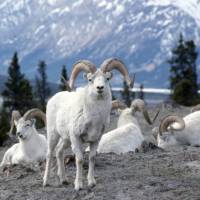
(32, 146)
(81, 116)
(128, 135)
(174, 130)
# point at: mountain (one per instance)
(140, 32)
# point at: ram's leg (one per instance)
(77, 148)
(52, 142)
(63, 144)
(92, 155)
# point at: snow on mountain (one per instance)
(140, 32)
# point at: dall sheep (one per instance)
(81, 116)
(32, 146)
(128, 135)
(174, 130)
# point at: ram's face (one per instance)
(99, 83)
(23, 128)
(166, 140)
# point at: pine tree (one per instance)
(18, 92)
(141, 93)
(63, 78)
(42, 88)
(4, 126)
(183, 72)
(27, 95)
(127, 95)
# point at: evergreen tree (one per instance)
(141, 93)
(18, 92)
(127, 95)
(27, 95)
(64, 79)
(183, 72)
(42, 88)
(4, 126)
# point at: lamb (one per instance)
(128, 135)
(81, 116)
(32, 146)
(174, 130)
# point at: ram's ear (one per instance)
(119, 111)
(155, 132)
(15, 122)
(109, 75)
(85, 76)
(33, 121)
(90, 77)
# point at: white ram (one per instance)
(32, 146)
(81, 116)
(174, 130)
(128, 135)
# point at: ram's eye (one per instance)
(27, 125)
(89, 79)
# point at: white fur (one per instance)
(32, 146)
(189, 136)
(125, 138)
(78, 117)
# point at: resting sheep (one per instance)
(174, 130)
(81, 116)
(128, 135)
(32, 146)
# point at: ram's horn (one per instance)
(196, 108)
(15, 117)
(66, 83)
(168, 121)
(35, 112)
(114, 63)
(118, 104)
(82, 65)
(139, 105)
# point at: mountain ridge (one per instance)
(141, 33)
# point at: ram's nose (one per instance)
(19, 134)
(100, 89)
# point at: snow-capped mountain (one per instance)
(140, 32)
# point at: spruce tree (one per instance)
(63, 79)
(42, 88)
(183, 72)
(4, 126)
(126, 94)
(141, 93)
(18, 92)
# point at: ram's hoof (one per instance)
(65, 182)
(78, 186)
(92, 183)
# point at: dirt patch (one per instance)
(153, 174)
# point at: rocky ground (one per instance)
(155, 174)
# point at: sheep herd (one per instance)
(81, 117)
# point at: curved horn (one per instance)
(82, 65)
(139, 105)
(196, 108)
(170, 119)
(66, 83)
(118, 104)
(35, 112)
(114, 63)
(15, 117)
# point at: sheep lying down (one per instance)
(127, 136)
(175, 131)
(32, 146)
(120, 140)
